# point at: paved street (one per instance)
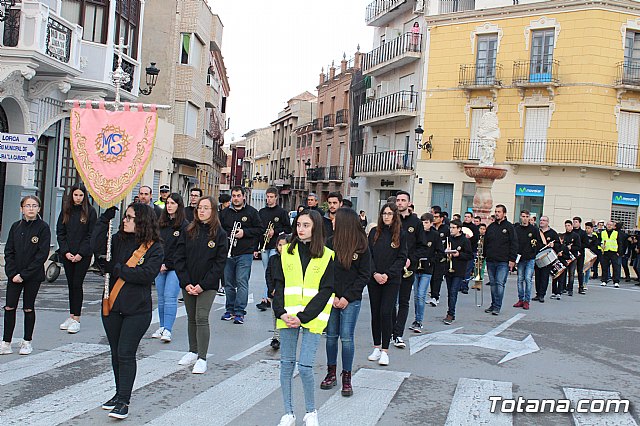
(579, 347)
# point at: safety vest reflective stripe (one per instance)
(301, 288)
(610, 242)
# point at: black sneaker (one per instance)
(264, 305)
(120, 411)
(110, 404)
(464, 290)
(495, 312)
(537, 298)
(220, 291)
(489, 310)
(275, 344)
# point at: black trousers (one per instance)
(382, 299)
(610, 258)
(124, 333)
(75, 273)
(541, 280)
(437, 279)
(404, 296)
(580, 267)
(14, 290)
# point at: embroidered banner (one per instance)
(111, 150)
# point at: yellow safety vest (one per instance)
(159, 203)
(300, 288)
(610, 243)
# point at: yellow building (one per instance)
(563, 77)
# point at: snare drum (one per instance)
(546, 257)
(557, 268)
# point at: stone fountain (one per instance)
(485, 173)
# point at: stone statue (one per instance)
(488, 134)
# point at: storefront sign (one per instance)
(625, 199)
(529, 190)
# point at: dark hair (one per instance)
(482, 225)
(30, 197)
(214, 221)
(568, 222)
(395, 225)
(347, 203)
(391, 199)
(362, 211)
(468, 213)
(165, 220)
(456, 216)
(67, 206)
(224, 198)
(456, 222)
(445, 214)
(146, 223)
(501, 206)
(272, 190)
(238, 188)
(589, 224)
(146, 186)
(578, 218)
(477, 217)
(427, 216)
(316, 247)
(436, 209)
(282, 236)
(198, 190)
(525, 211)
(348, 237)
(335, 195)
(401, 192)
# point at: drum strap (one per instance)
(544, 240)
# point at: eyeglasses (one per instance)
(204, 208)
(129, 218)
(388, 214)
(31, 206)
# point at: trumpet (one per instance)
(477, 267)
(232, 239)
(267, 238)
(407, 273)
(448, 252)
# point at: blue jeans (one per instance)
(454, 284)
(342, 323)
(469, 273)
(168, 288)
(308, 348)
(236, 286)
(265, 262)
(525, 278)
(498, 273)
(420, 289)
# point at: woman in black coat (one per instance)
(75, 225)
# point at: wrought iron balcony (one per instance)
(380, 12)
(385, 162)
(331, 173)
(466, 149)
(392, 54)
(536, 73)
(316, 126)
(577, 152)
(628, 75)
(397, 106)
(482, 76)
(450, 6)
(299, 183)
(129, 67)
(316, 174)
(342, 118)
(328, 122)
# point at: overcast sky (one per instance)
(274, 50)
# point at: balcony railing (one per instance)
(129, 68)
(482, 75)
(328, 122)
(385, 161)
(316, 174)
(335, 172)
(299, 183)
(377, 8)
(449, 6)
(394, 105)
(466, 149)
(219, 156)
(342, 118)
(536, 72)
(325, 174)
(628, 73)
(577, 152)
(316, 126)
(391, 50)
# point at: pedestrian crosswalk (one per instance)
(251, 387)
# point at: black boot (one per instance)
(331, 379)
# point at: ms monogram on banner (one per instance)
(112, 144)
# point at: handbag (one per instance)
(107, 303)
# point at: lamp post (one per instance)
(151, 77)
(428, 146)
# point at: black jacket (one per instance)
(414, 231)
(268, 275)
(169, 237)
(75, 236)
(476, 235)
(529, 241)
(622, 237)
(551, 235)
(584, 240)
(135, 296)
(432, 250)
(459, 264)
(500, 242)
(593, 243)
(27, 250)
(319, 301)
(201, 260)
(328, 227)
(349, 283)
(387, 259)
(572, 242)
(250, 223)
(443, 232)
(189, 213)
(280, 220)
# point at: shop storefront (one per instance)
(529, 197)
(624, 208)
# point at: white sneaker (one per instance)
(398, 342)
(158, 333)
(5, 348)
(616, 285)
(603, 284)
(188, 359)
(166, 336)
(25, 348)
(384, 358)
(74, 327)
(375, 355)
(287, 420)
(200, 366)
(311, 419)
(66, 323)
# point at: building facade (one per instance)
(564, 79)
(385, 156)
(258, 143)
(185, 40)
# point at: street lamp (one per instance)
(151, 76)
(428, 146)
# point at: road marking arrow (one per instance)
(490, 340)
